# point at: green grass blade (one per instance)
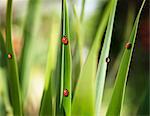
(126, 33)
(82, 10)
(3, 80)
(2, 51)
(62, 56)
(101, 29)
(4, 92)
(49, 94)
(59, 85)
(86, 93)
(66, 68)
(13, 78)
(79, 35)
(120, 84)
(83, 101)
(29, 31)
(102, 67)
(74, 10)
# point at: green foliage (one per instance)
(102, 66)
(65, 102)
(13, 78)
(66, 65)
(120, 84)
(46, 103)
(29, 31)
(2, 51)
(85, 96)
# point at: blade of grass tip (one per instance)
(29, 32)
(102, 66)
(86, 94)
(78, 32)
(116, 102)
(79, 46)
(66, 68)
(13, 78)
(82, 10)
(49, 94)
(74, 9)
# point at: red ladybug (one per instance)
(64, 40)
(128, 45)
(9, 56)
(66, 93)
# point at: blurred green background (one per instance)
(49, 13)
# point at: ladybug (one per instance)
(9, 56)
(66, 93)
(128, 45)
(107, 59)
(64, 40)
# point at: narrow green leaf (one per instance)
(126, 33)
(102, 66)
(2, 51)
(120, 84)
(66, 67)
(29, 32)
(3, 83)
(83, 101)
(82, 10)
(84, 97)
(49, 94)
(13, 78)
(78, 55)
(59, 85)
(79, 35)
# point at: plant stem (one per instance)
(13, 78)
